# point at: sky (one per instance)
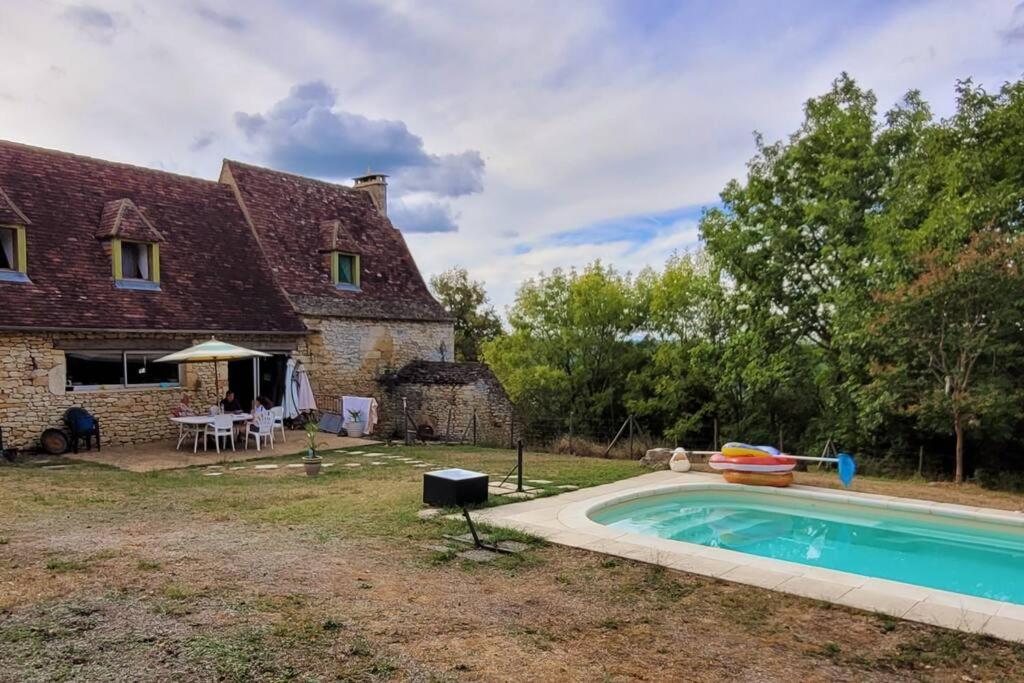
(518, 136)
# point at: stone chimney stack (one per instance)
(376, 185)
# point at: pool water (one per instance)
(964, 556)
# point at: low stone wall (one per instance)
(33, 396)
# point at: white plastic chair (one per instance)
(278, 413)
(223, 426)
(261, 428)
(187, 430)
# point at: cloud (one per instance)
(1015, 34)
(451, 175)
(230, 22)
(202, 141)
(95, 23)
(306, 133)
(423, 215)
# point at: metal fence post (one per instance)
(571, 452)
(519, 467)
(405, 420)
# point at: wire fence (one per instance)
(625, 437)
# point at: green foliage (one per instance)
(571, 344)
(861, 283)
(466, 301)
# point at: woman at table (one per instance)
(230, 404)
(183, 409)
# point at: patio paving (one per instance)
(160, 455)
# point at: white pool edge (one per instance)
(564, 520)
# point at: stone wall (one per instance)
(33, 396)
(348, 356)
(447, 396)
(342, 356)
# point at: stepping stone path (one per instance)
(265, 467)
(421, 465)
(328, 464)
(353, 452)
(567, 487)
(237, 468)
(213, 474)
(55, 467)
(478, 555)
(352, 464)
(378, 462)
(294, 464)
(539, 481)
(428, 513)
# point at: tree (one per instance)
(571, 345)
(949, 340)
(466, 301)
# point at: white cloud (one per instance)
(580, 111)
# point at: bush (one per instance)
(997, 480)
(585, 447)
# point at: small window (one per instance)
(136, 265)
(12, 254)
(346, 271)
(98, 370)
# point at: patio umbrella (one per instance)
(212, 351)
(291, 397)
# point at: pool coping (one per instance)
(563, 520)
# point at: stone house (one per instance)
(104, 267)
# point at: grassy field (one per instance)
(269, 575)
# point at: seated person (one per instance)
(230, 404)
(263, 403)
(183, 409)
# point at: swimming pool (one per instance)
(968, 556)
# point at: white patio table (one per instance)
(199, 421)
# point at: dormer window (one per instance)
(342, 252)
(134, 245)
(345, 270)
(13, 246)
(136, 264)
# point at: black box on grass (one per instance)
(454, 488)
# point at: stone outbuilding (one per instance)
(462, 402)
(105, 267)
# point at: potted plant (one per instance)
(354, 426)
(311, 460)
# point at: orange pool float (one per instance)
(780, 479)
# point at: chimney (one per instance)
(376, 185)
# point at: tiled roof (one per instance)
(9, 211)
(443, 372)
(121, 218)
(213, 275)
(296, 217)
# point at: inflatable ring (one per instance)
(780, 479)
(748, 464)
(742, 450)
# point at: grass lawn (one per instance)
(269, 575)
